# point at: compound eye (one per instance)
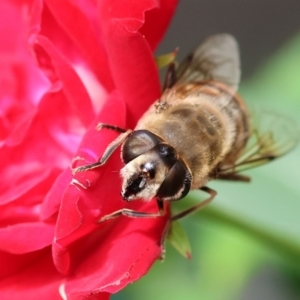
(137, 143)
(167, 154)
(177, 183)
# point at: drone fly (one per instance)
(200, 129)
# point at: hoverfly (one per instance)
(197, 131)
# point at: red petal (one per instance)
(22, 230)
(28, 181)
(129, 40)
(80, 26)
(95, 142)
(22, 83)
(131, 60)
(136, 77)
(121, 257)
(39, 281)
(75, 91)
(13, 263)
(161, 17)
(105, 266)
(52, 200)
(26, 237)
(81, 208)
(94, 253)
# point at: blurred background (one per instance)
(246, 245)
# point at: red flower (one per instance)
(65, 66)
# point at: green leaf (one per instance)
(165, 59)
(179, 240)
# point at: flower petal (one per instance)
(80, 25)
(123, 255)
(136, 76)
(74, 90)
(52, 200)
(80, 208)
(48, 110)
(160, 16)
(26, 237)
(130, 57)
(22, 83)
(40, 281)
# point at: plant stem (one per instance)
(278, 242)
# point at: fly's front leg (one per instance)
(136, 214)
(108, 151)
(198, 206)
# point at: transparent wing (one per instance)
(216, 59)
(272, 136)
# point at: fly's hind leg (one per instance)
(234, 177)
(109, 150)
(198, 206)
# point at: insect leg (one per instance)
(234, 177)
(162, 242)
(198, 206)
(111, 127)
(107, 153)
(135, 214)
(170, 77)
